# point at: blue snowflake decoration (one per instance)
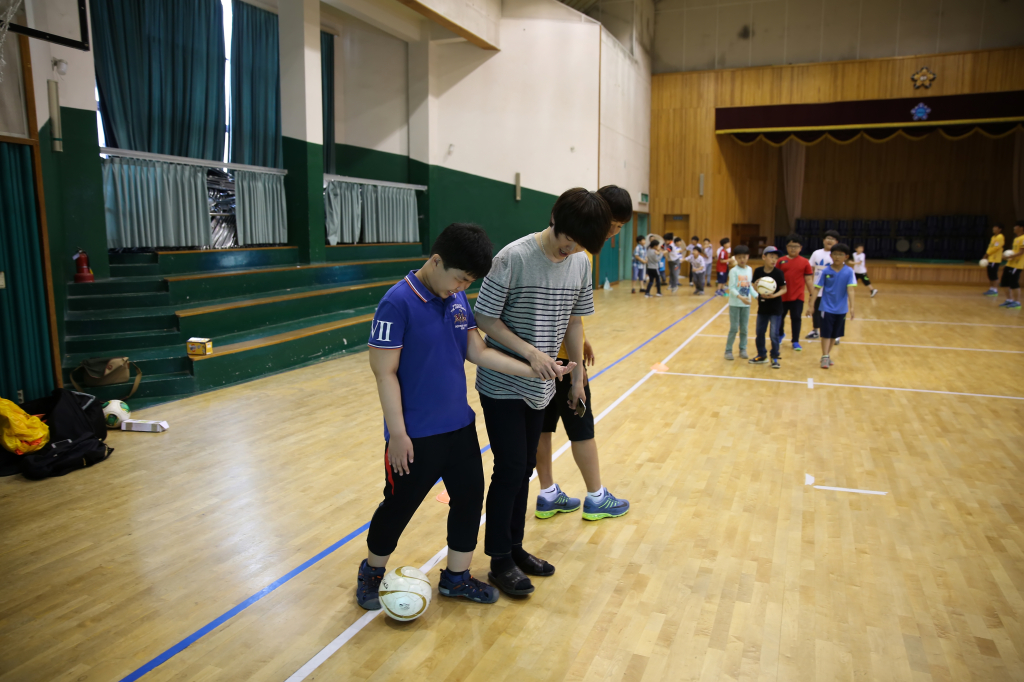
(921, 112)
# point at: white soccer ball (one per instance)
(405, 593)
(765, 286)
(115, 412)
(1007, 253)
(983, 262)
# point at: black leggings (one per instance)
(654, 279)
(453, 456)
(514, 431)
(795, 310)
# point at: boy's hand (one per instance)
(851, 314)
(400, 453)
(588, 354)
(745, 299)
(544, 365)
(578, 393)
(567, 368)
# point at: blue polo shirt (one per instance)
(432, 334)
(833, 287)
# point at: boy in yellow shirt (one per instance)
(994, 256)
(1014, 265)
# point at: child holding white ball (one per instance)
(769, 307)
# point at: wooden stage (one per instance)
(226, 548)
(921, 273)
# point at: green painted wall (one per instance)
(73, 190)
(303, 189)
(359, 162)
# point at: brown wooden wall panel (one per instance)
(741, 183)
(882, 271)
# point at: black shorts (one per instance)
(863, 277)
(1011, 278)
(833, 325)
(577, 428)
(993, 271)
(723, 278)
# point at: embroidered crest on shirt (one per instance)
(459, 316)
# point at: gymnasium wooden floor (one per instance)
(728, 567)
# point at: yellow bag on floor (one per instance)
(21, 433)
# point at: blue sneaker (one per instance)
(368, 585)
(1006, 304)
(465, 585)
(561, 504)
(797, 347)
(992, 292)
(782, 336)
(1015, 304)
(610, 507)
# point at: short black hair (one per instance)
(583, 216)
(640, 238)
(654, 242)
(619, 202)
(795, 239)
(833, 234)
(464, 246)
(740, 250)
(706, 239)
(678, 239)
(694, 239)
(842, 248)
(723, 241)
(669, 236)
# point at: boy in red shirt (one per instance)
(722, 267)
(797, 270)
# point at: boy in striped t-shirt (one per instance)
(533, 298)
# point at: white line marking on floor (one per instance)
(944, 324)
(902, 345)
(851, 490)
(342, 639)
(808, 479)
(821, 383)
(810, 382)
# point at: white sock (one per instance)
(550, 494)
(599, 495)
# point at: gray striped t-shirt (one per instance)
(534, 298)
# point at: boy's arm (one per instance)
(574, 338)
(384, 365)
(543, 365)
(479, 354)
(849, 297)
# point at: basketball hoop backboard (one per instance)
(63, 22)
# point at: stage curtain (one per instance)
(24, 333)
(160, 74)
(389, 214)
(260, 208)
(155, 203)
(255, 132)
(327, 94)
(794, 161)
(1018, 173)
(343, 212)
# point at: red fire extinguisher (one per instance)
(82, 271)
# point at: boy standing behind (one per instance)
(860, 268)
(994, 256)
(697, 267)
(820, 260)
(835, 285)
(1014, 265)
(674, 256)
(639, 263)
(740, 280)
(722, 267)
(797, 271)
(769, 308)
(709, 261)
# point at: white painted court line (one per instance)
(902, 345)
(813, 384)
(809, 480)
(342, 639)
(810, 382)
(944, 324)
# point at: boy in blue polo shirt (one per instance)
(836, 283)
(420, 337)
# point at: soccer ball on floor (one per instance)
(405, 593)
(765, 286)
(115, 412)
(983, 262)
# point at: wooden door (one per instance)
(679, 225)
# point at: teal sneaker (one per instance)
(563, 504)
(610, 507)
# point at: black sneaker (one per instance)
(813, 335)
(775, 363)
(759, 360)
(368, 586)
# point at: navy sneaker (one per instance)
(562, 504)
(813, 335)
(368, 585)
(782, 337)
(610, 507)
(1006, 304)
(465, 585)
(775, 363)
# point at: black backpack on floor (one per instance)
(69, 414)
(63, 457)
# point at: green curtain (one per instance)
(342, 212)
(155, 203)
(25, 363)
(260, 209)
(255, 130)
(160, 74)
(389, 214)
(327, 93)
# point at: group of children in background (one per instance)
(654, 255)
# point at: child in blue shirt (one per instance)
(836, 283)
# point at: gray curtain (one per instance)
(155, 203)
(260, 208)
(389, 214)
(343, 212)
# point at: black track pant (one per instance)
(453, 456)
(795, 310)
(514, 431)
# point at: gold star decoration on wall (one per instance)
(923, 78)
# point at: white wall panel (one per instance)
(625, 118)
